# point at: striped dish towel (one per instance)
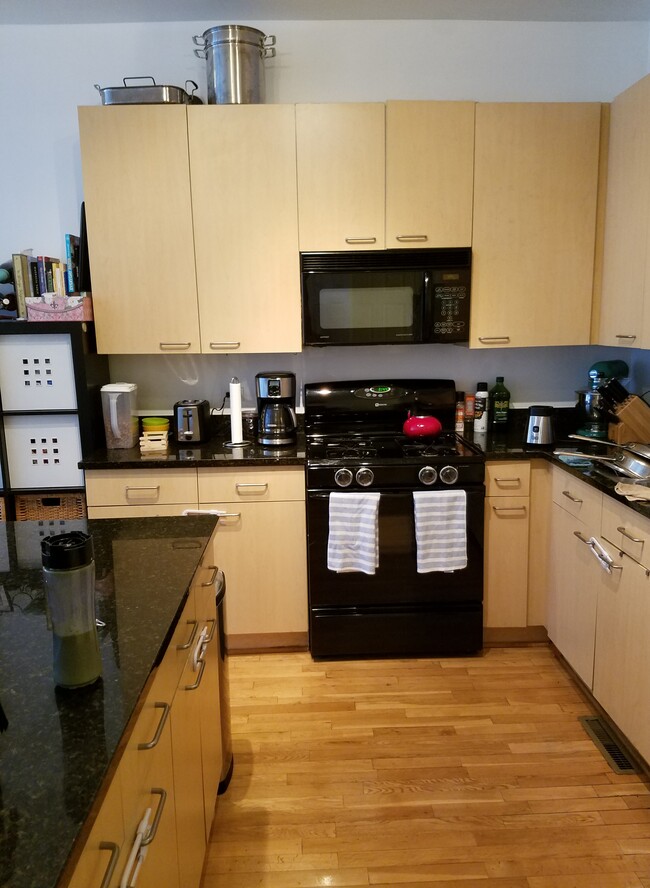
(352, 544)
(440, 530)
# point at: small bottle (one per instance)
(469, 407)
(481, 407)
(460, 412)
(499, 404)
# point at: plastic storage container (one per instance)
(120, 417)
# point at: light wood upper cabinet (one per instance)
(535, 201)
(341, 175)
(137, 192)
(622, 319)
(243, 162)
(429, 174)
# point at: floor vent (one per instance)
(610, 749)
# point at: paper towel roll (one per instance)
(236, 436)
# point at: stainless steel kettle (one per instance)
(540, 427)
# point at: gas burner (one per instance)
(427, 448)
(350, 449)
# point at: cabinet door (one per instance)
(102, 858)
(506, 561)
(261, 548)
(574, 579)
(243, 161)
(341, 176)
(138, 207)
(622, 662)
(535, 195)
(429, 174)
(626, 218)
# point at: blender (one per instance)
(591, 411)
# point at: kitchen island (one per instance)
(61, 747)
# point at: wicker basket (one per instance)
(42, 507)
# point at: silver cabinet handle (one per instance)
(411, 238)
(185, 647)
(629, 536)
(508, 480)
(509, 508)
(210, 635)
(175, 346)
(487, 339)
(570, 496)
(217, 345)
(161, 724)
(150, 835)
(199, 659)
(112, 863)
(631, 336)
(582, 539)
(128, 490)
(194, 686)
(242, 486)
(229, 514)
(213, 576)
(361, 240)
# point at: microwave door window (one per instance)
(369, 314)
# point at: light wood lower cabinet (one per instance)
(507, 511)
(140, 493)
(163, 792)
(261, 547)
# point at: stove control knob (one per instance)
(365, 477)
(427, 475)
(343, 477)
(449, 474)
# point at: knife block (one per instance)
(634, 422)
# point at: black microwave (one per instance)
(386, 297)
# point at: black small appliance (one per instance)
(276, 409)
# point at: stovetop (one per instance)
(388, 445)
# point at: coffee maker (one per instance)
(276, 402)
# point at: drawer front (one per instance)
(43, 451)
(140, 487)
(251, 485)
(37, 373)
(627, 530)
(507, 478)
(578, 499)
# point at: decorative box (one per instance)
(60, 308)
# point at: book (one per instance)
(72, 261)
(45, 276)
(21, 282)
(35, 287)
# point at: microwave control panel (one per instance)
(450, 290)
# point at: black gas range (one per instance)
(355, 446)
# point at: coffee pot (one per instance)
(276, 403)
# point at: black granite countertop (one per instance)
(59, 744)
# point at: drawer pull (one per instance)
(574, 499)
(229, 514)
(490, 339)
(210, 635)
(112, 863)
(629, 536)
(631, 336)
(161, 724)
(142, 489)
(153, 829)
(509, 508)
(361, 240)
(213, 575)
(411, 238)
(188, 643)
(217, 345)
(242, 486)
(175, 346)
(508, 480)
(582, 539)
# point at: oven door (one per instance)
(355, 307)
(396, 581)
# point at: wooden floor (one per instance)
(472, 773)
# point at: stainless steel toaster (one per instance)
(191, 421)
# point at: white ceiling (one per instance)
(47, 12)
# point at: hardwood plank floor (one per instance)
(472, 773)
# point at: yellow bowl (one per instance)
(155, 424)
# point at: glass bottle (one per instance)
(69, 579)
(499, 404)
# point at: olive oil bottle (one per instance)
(499, 398)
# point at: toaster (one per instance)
(191, 421)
